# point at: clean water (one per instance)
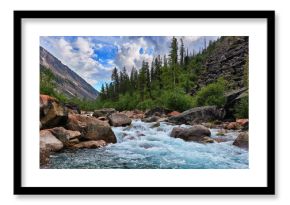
(141, 146)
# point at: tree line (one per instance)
(163, 73)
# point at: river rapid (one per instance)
(139, 146)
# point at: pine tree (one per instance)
(181, 52)
(186, 59)
(173, 59)
(165, 61)
(158, 73)
(111, 93)
(135, 76)
(173, 52)
(107, 91)
(116, 83)
(152, 71)
(148, 79)
(204, 44)
(133, 80)
(124, 81)
(103, 93)
(132, 83)
(142, 81)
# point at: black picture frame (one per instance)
(268, 190)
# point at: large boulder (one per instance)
(91, 128)
(198, 115)
(158, 111)
(48, 144)
(52, 112)
(67, 137)
(104, 112)
(90, 144)
(242, 140)
(119, 119)
(49, 141)
(196, 133)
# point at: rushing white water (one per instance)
(141, 147)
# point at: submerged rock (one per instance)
(90, 144)
(157, 124)
(242, 140)
(197, 133)
(151, 119)
(118, 120)
(52, 112)
(198, 115)
(91, 128)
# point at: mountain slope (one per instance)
(67, 81)
(225, 58)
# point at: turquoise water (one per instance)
(142, 147)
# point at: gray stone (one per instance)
(91, 128)
(104, 112)
(196, 133)
(118, 120)
(198, 115)
(242, 140)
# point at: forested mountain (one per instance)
(181, 80)
(66, 82)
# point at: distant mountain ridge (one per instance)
(67, 81)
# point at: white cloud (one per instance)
(129, 56)
(84, 46)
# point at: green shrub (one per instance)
(212, 94)
(126, 102)
(47, 90)
(242, 108)
(47, 84)
(177, 100)
(146, 104)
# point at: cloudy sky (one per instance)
(94, 57)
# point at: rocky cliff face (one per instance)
(67, 81)
(226, 59)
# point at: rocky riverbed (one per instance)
(157, 139)
(139, 146)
